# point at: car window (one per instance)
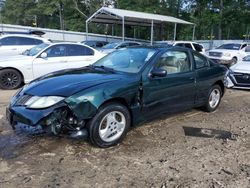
(247, 49)
(56, 51)
(200, 61)
(198, 47)
(230, 46)
(179, 44)
(133, 44)
(28, 41)
(99, 44)
(174, 62)
(123, 45)
(9, 41)
(188, 45)
(77, 50)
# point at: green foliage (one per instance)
(213, 18)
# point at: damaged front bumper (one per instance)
(55, 119)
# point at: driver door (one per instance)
(56, 60)
(173, 92)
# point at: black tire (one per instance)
(209, 107)
(10, 79)
(94, 125)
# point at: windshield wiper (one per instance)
(108, 69)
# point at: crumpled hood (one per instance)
(243, 67)
(68, 82)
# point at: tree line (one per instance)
(214, 19)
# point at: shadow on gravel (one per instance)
(209, 133)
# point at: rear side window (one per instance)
(200, 61)
(29, 41)
(9, 41)
(77, 50)
(188, 45)
(198, 47)
(180, 44)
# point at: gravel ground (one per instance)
(168, 152)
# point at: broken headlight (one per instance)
(36, 102)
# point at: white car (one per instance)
(239, 75)
(229, 54)
(14, 44)
(43, 59)
(186, 44)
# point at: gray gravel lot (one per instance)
(157, 154)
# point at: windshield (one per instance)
(230, 46)
(247, 58)
(110, 45)
(36, 49)
(129, 60)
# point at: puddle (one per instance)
(209, 133)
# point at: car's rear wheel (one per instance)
(214, 98)
(10, 79)
(110, 125)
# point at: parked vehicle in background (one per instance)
(14, 44)
(121, 90)
(117, 45)
(186, 44)
(94, 43)
(229, 54)
(43, 59)
(239, 75)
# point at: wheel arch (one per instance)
(4, 68)
(221, 84)
(122, 101)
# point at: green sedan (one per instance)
(125, 88)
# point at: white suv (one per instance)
(14, 44)
(229, 54)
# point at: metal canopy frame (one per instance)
(121, 17)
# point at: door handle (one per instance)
(14, 49)
(191, 78)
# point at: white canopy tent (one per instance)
(107, 15)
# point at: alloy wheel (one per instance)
(112, 126)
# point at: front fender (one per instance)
(86, 103)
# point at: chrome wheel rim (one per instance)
(214, 98)
(112, 126)
(9, 80)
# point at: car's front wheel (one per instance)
(110, 125)
(10, 79)
(214, 98)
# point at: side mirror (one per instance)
(158, 72)
(44, 55)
